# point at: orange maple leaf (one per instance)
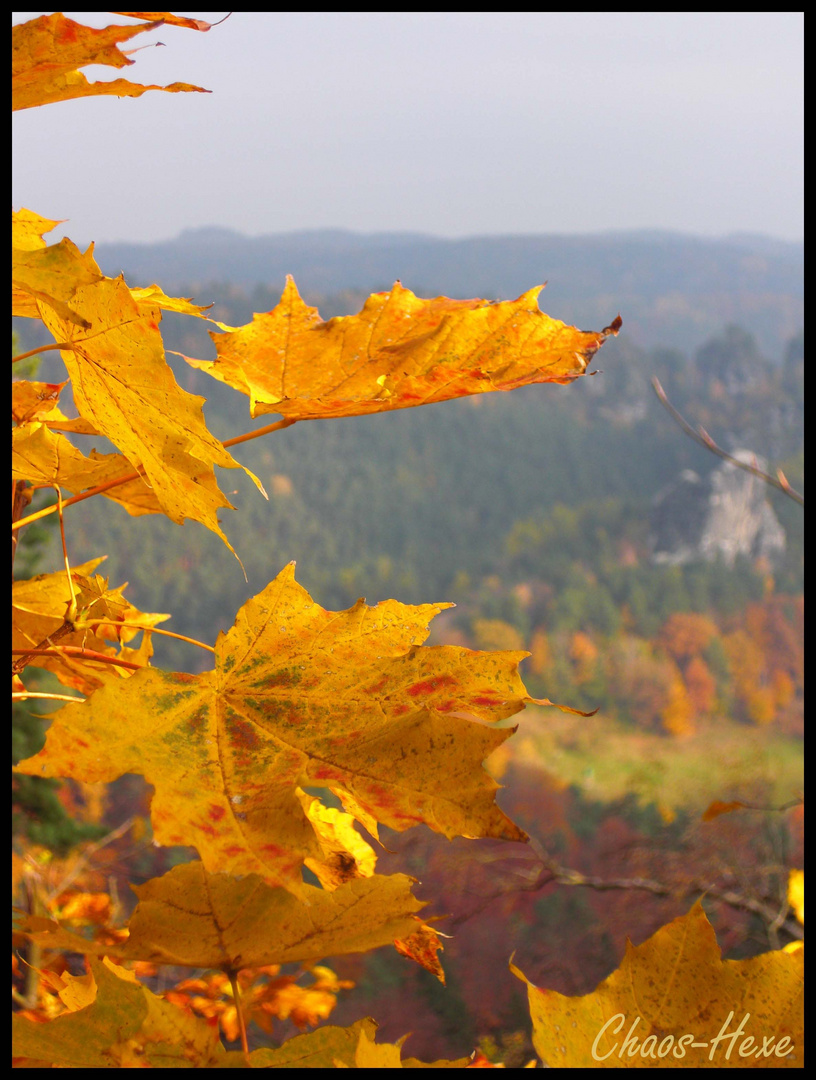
(46, 53)
(398, 352)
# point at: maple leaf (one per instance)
(344, 854)
(116, 1023)
(398, 352)
(53, 273)
(422, 946)
(40, 456)
(302, 697)
(191, 918)
(154, 296)
(46, 53)
(34, 400)
(124, 387)
(370, 1054)
(47, 273)
(670, 992)
(353, 1047)
(39, 607)
(166, 17)
(319, 1049)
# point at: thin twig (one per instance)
(552, 873)
(701, 436)
(770, 915)
(83, 860)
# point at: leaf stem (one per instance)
(67, 345)
(27, 694)
(76, 650)
(277, 426)
(149, 629)
(72, 607)
(236, 995)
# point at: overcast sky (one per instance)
(454, 124)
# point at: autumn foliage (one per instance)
(310, 723)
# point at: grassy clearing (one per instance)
(606, 760)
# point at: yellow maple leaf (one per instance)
(302, 697)
(116, 1023)
(344, 853)
(422, 947)
(154, 296)
(46, 273)
(39, 607)
(34, 400)
(191, 918)
(353, 1047)
(124, 387)
(399, 351)
(674, 1002)
(320, 1049)
(42, 457)
(46, 53)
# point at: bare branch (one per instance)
(701, 436)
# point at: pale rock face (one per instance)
(725, 516)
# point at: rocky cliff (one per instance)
(722, 516)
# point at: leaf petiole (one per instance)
(75, 650)
(138, 626)
(61, 345)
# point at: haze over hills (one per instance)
(673, 289)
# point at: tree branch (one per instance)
(701, 436)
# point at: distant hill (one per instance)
(672, 289)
